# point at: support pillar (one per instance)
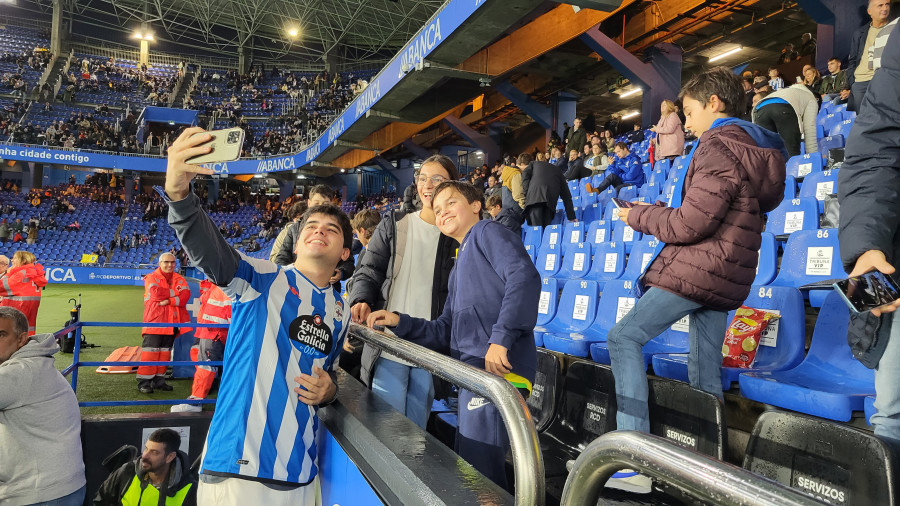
(59, 32)
(837, 20)
(417, 151)
(660, 77)
(128, 186)
(483, 142)
(564, 110)
(212, 190)
(245, 56)
(541, 114)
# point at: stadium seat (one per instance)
(576, 261)
(829, 121)
(811, 256)
(781, 345)
(532, 252)
(793, 215)
(552, 235)
(869, 408)
(767, 267)
(658, 178)
(532, 235)
(576, 311)
(663, 165)
(608, 263)
(818, 185)
(592, 213)
(833, 462)
(688, 417)
(547, 304)
(803, 165)
(790, 187)
(628, 192)
(610, 214)
(829, 383)
(605, 196)
(598, 232)
(842, 128)
(573, 232)
(649, 193)
(618, 298)
(639, 258)
(673, 340)
(546, 391)
(549, 260)
(625, 234)
(830, 142)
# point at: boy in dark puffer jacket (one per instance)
(709, 242)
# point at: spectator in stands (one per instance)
(787, 54)
(544, 184)
(808, 46)
(493, 188)
(508, 218)
(669, 132)
(775, 80)
(812, 79)
(40, 436)
(22, 285)
(596, 162)
(737, 174)
(626, 170)
(833, 84)
(406, 268)
(860, 69)
(4, 231)
(512, 191)
(867, 186)
(31, 234)
(494, 273)
(577, 137)
(576, 168)
(160, 475)
(790, 112)
(166, 294)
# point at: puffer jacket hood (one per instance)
(179, 476)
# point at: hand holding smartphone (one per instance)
(226, 146)
(622, 204)
(868, 291)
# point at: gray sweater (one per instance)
(40, 427)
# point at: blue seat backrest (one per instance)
(578, 302)
(592, 212)
(810, 256)
(559, 218)
(531, 249)
(618, 298)
(792, 215)
(552, 235)
(548, 301)
(657, 177)
(680, 161)
(829, 341)
(802, 165)
(818, 185)
(639, 257)
(576, 261)
(840, 108)
(831, 142)
(649, 193)
(767, 267)
(549, 259)
(573, 233)
(820, 131)
(663, 165)
(626, 234)
(628, 192)
(647, 168)
(608, 262)
(610, 214)
(782, 343)
(606, 195)
(842, 128)
(598, 232)
(532, 235)
(829, 120)
(790, 187)
(596, 179)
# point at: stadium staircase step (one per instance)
(184, 87)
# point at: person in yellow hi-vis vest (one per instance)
(161, 471)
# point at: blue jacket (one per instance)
(511, 219)
(494, 293)
(628, 169)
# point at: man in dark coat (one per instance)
(543, 184)
(859, 72)
(868, 185)
(576, 169)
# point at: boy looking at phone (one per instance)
(487, 322)
(709, 251)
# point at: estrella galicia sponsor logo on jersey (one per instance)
(312, 334)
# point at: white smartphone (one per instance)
(226, 146)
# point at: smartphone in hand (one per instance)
(226, 146)
(622, 204)
(867, 292)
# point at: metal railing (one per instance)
(526, 451)
(701, 476)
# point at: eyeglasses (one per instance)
(435, 180)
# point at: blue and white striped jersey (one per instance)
(282, 325)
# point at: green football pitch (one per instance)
(106, 304)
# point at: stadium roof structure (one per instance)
(304, 30)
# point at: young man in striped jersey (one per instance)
(288, 326)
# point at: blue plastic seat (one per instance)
(608, 263)
(663, 165)
(610, 214)
(790, 187)
(606, 196)
(531, 249)
(831, 142)
(869, 408)
(573, 232)
(625, 234)
(793, 215)
(649, 193)
(829, 383)
(811, 256)
(549, 259)
(639, 258)
(592, 212)
(767, 267)
(777, 352)
(576, 261)
(575, 313)
(842, 128)
(552, 235)
(803, 165)
(532, 235)
(673, 340)
(619, 296)
(818, 185)
(547, 305)
(657, 177)
(628, 192)
(829, 121)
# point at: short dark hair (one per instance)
(622, 145)
(445, 162)
(366, 219)
(334, 212)
(295, 211)
(494, 200)
(718, 81)
(19, 321)
(323, 190)
(835, 58)
(524, 158)
(169, 438)
(468, 191)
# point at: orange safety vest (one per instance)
(215, 307)
(21, 287)
(156, 290)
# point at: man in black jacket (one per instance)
(859, 71)
(543, 184)
(162, 469)
(576, 169)
(868, 185)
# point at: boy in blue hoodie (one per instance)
(709, 238)
(488, 319)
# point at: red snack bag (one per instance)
(742, 336)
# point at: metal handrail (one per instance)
(699, 475)
(526, 451)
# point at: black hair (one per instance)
(334, 212)
(494, 200)
(295, 210)
(621, 145)
(524, 159)
(19, 321)
(169, 438)
(467, 190)
(718, 81)
(444, 162)
(323, 190)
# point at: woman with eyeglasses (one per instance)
(406, 269)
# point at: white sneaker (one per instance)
(630, 481)
(186, 408)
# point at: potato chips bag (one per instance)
(742, 336)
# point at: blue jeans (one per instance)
(652, 314)
(887, 387)
(410, 390)
(76, 498)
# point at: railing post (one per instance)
(76, 353)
